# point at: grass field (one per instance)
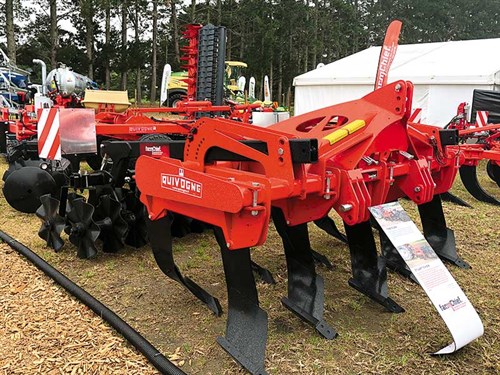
(371, 341)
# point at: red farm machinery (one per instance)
(212, 169)
(479, 140)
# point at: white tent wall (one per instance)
(443, 102)
(309, 98)
(444, 74)
(438, 102)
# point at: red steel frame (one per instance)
(374, 164)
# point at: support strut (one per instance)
(369, 272)
(439, 236)
(246, 326)
(305, 288)
(161, 243)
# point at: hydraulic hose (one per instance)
(133, 337)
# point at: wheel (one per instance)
(175, 99)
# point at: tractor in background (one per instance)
(178, 87)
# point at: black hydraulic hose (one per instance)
(132, 336)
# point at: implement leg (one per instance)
(439, 236)
(246, 327)
(368, 270)
(305, 287)
(161, 243)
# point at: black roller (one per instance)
(24, 187)
(83, 231)
(112, 225)
(468, 175)
(52, 222)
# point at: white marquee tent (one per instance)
(444, 75)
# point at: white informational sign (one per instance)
(242, 81)
(251, 88)
(167, 72)
(267, 89)
(446, 295)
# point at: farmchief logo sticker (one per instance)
(454, 304)
(181, 184)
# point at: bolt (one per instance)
(345, 207)
(417, 189)
(398, 87)
(150, 216)
(255, 184)
(228, 245)
(255, 213)
(280, 151)
(230, 179)
(288, 222)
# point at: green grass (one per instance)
(371, 341)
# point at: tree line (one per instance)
(124, 44)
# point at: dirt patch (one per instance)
(370, 340)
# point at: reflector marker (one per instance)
(49, 141)
(481, 118)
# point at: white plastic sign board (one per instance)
(446, 295)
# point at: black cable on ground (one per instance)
(139, 342)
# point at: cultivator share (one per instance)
(158, 178)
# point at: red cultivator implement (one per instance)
(347, 157)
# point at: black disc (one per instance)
(83, 231)
(52, 222)
(112, 225)
(18, 164)
(24, 187)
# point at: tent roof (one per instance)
(458, 62)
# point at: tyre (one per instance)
(175, 99)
